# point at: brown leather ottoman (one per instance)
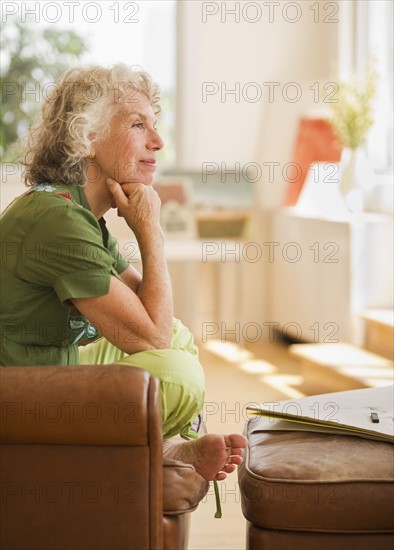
(308, 491)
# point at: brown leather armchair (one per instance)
(82, 463)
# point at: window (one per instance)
(366, 33)
(137, 33)
(375, 38)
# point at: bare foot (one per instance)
(213, 456)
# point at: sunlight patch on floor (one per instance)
(379, 382)
(285, 383)
(258, 366)
(246, 361)
(334, 355)
(230, 351)
(384, 375)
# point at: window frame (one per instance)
(360, 40)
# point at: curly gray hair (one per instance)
(77, 112)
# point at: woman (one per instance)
(63, 281)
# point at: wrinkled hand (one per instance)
(137, 203)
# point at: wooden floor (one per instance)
(262, 372)
(235, 376)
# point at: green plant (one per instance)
(352, 114)
(33, 57)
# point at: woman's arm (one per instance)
(132, 278)
(143, 320)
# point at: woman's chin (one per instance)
(146, 175)
(143, 179)
(147, 180)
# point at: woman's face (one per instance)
(128, 152)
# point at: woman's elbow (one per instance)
(162, 339)
(137, 343)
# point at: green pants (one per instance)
(178, 369)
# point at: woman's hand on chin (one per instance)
(137, 203)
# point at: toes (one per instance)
(236, 451)
(236, 441)
(235, 460)
(214, 462)
(229, 468)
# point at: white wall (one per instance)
(222, 130)
(223, 51)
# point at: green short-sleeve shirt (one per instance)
(53, 249)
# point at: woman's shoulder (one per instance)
(47, 205)
(47, 197)
(56, 193)
(40, 193)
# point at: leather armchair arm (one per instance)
(82, 458)
(80, 405)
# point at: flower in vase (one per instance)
(351, 114)
(351, 118)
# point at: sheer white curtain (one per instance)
(366, 33)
